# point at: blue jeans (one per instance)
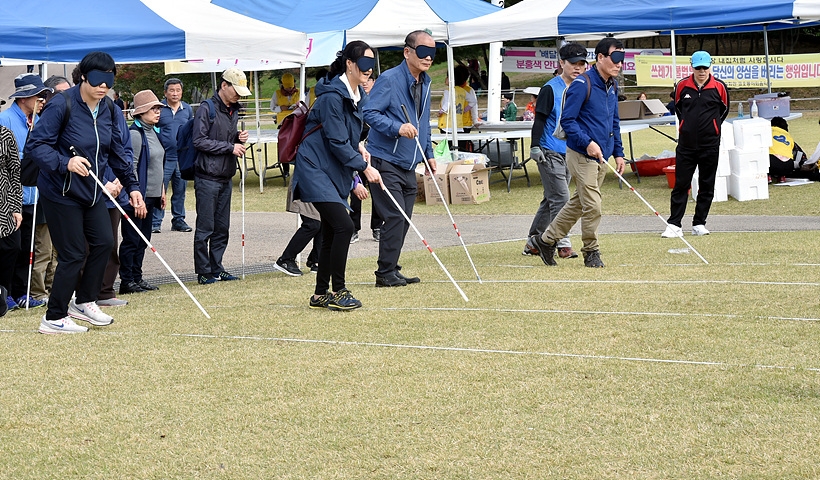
(177, 199)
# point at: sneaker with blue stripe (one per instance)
(63, 325)
(29, 301)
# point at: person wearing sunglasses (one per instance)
(326, 162)
(392, 142)
(701, 104)
(78, 133)
(593, 134)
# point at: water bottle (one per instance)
(740, 110)
(754, 108)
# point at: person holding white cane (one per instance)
(83, 119)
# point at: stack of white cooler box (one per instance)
(743, 163)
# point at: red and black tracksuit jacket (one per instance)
(701, 112)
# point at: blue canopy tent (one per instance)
(140, 31)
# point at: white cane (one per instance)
(441, 196)
(429, 248)
(242, 189)
(125, 215)
(31, 249)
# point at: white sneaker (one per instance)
(672, 231)
(89, 312)
(63, 325)
(699, 230)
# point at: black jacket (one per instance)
(701, 112)
(215, 142)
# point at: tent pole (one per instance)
(258, 127)
(378, 63)
(766, 51)
(674, 75)
(302, 83)
(451, 106)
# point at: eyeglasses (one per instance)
(156, 109)
(42, 96)
(617, 56)
(423, 51)
(701, 68)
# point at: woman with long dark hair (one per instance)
(326, 163)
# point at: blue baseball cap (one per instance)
(701, 59)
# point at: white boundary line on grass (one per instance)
(631, 282)
(490, 351)
(597, 312)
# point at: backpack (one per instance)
(292, 133)
(29, 171)
(186, 152)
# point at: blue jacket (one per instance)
(328, 158)
(15, 120)
(384, 115)
(98, 138)
(169, 123)
(594, 119)
(556, 86)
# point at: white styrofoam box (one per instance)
(727, 136)
(753, 187)
(744, 162)
(721, 188)
(752, 133)
(724, 169)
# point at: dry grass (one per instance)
(657, 366)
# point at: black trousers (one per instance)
(112, 267)
(706, 161)
(19, 281)
(132, 248)
(82, 236)
(402, 185)
(310, 229)
(337, 228)
(356, 207)
(9, 251)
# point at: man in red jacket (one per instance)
(702, 104)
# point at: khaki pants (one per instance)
(584, 204)
(45, 260)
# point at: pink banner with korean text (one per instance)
(545, 59)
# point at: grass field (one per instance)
(657, 366)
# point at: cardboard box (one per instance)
(751, 133)
(431, 196)
(635, 109)
(469, 184)
(748, 162)
(420, 196)
(752, 187)
(721, 188)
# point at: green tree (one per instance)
(135, 77)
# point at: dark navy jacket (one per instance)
(328, 158)
(594, 119)
(384, 115)
(215, 160)
(99, 139)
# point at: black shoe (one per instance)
(130, 287)
(156, 230)
(182, 227)
(390, 280)
(288, 267)
(377, 234)
(343, 300)
(321, 302)
(407, 280)
(545, 250)
(146, 286)
(206, 279)
(227, 277)
(593, 259)
(313, 266)
(3, 294)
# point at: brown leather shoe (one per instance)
(567, 252)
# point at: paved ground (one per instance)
(266, 235)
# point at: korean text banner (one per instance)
(785, 71)
(545, 59)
